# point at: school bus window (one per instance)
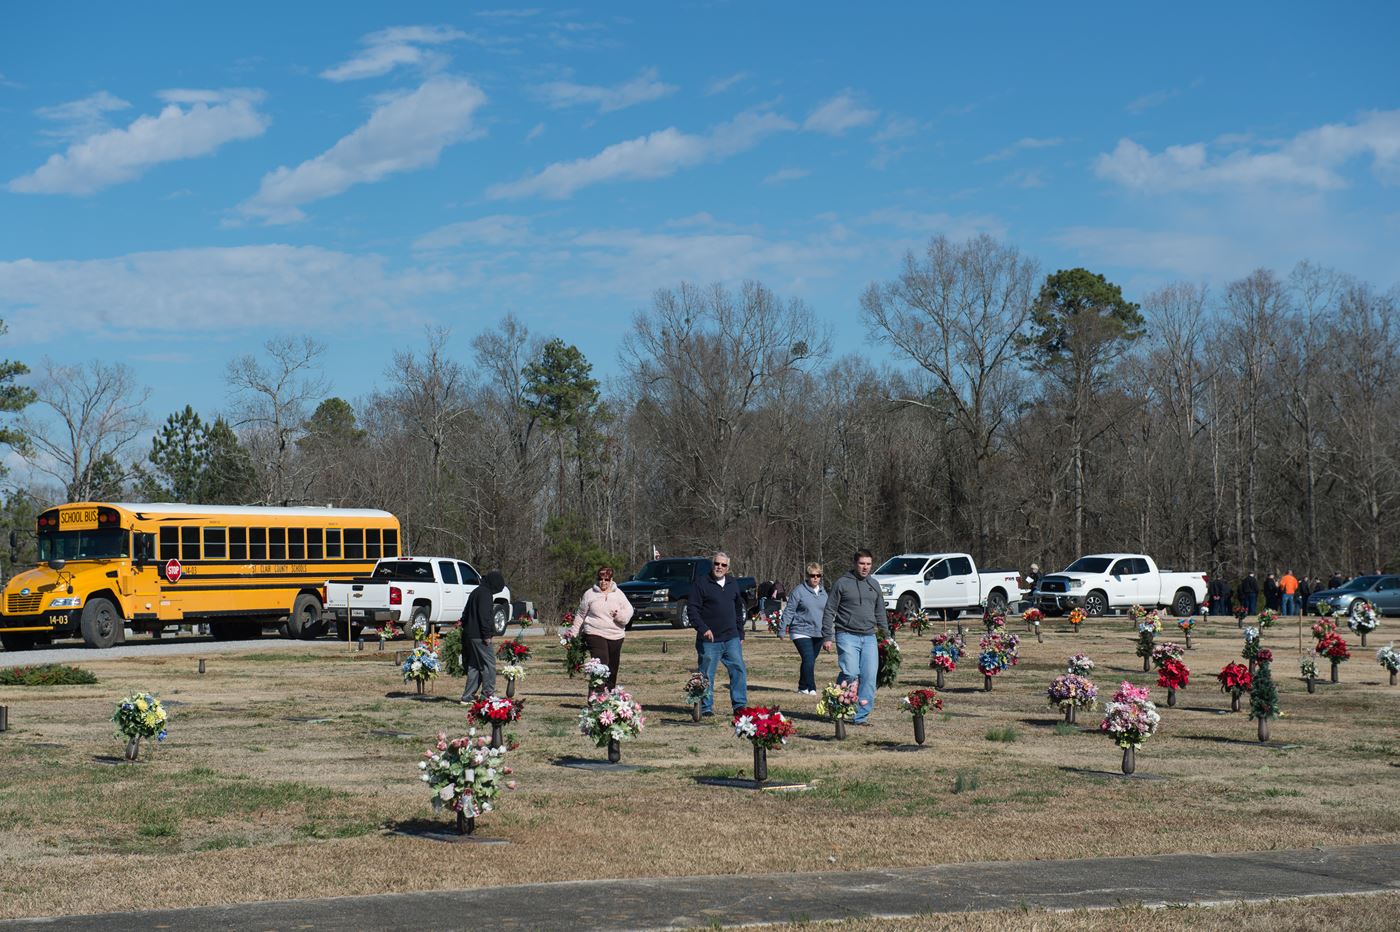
(333, 544)
(315, 549)
(215, 543)
(372, 550)
(391, 542)
(189, 544)
(238, 543)
(257, 543)
(296, 544)
(354, 543)
(169, 543)
(276, 543)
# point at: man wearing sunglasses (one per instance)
(716, 610)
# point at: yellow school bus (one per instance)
(104, 567)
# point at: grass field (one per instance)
(288, 769)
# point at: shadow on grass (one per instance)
(1245, 742)
(1042, 722)
(425, 697)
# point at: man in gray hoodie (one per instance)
(855, 610)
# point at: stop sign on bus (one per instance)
(173, 570)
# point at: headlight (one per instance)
(660, 595)
(1074, 583)
(72, 602)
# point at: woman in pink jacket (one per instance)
(603, 614)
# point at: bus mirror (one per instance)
(57, 565)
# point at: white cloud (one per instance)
(1021, 145)
(79, 119)
(395, 47)
(118, 155)
(784, 175)
(647, 157)
(405, 132)
(839, 114)
(645, 87)
(204, 291)
(496, 230)
(1148, 101)
(1312, 159)
(896, 128)
(720, 85)
(535, 132)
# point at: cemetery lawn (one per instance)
(289, 767)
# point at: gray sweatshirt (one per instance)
(855, 606)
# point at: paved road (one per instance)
(705, 901)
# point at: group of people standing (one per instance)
(1283, 593)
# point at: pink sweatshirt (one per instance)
(595, 610)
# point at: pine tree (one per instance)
(1263, 695)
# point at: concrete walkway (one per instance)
(732, 900)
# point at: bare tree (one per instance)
(272, 400)
(88, 414)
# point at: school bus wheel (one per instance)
(101, 624)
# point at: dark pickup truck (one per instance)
(661, 589)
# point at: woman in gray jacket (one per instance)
(802, 623)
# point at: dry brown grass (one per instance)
(243, 803)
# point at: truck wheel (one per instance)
(908, 604)
(1184, 605)
(500, 617)
(101, 624)
(305, 620)
(996, 602)
(681, 620)
(1096, 604)
(420, 614)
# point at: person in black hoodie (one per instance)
(716, 609)
(1249, 594)
(478, 628)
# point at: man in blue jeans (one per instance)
(855, 610)
(716, 611)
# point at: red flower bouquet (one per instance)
(766, 728)
(1234, 678)
(921, 701)
(1333, 647)
(1173, 674)
(495, 710)
(513, 651)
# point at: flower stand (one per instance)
(1171, 696)
(938, 679)
(918, 729)
(1129, 760)
(1263, 730)
(133, 748)
(695, 712)
(466, 825)
(1392, 677)
(1147, 664)
(840, 730)
(1335, 677)
(496, 741)
(986, 682)
(1188, 641)
(1071, 714)
(510, 689)
(1253, 666)
(1312, 683)
(760, 765)
(614, 750)
(1234, 702)
(418, 686)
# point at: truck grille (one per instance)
(22, 604)
(1053, 585)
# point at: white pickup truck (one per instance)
(409, 589)
(1104, 582)
(945, 582)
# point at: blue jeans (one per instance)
(1250, 600)
(859, 658)
(808, 648)
(731, 652)
(1290, 606)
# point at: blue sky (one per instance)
(179, 182)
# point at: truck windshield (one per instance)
(902, 566)
(108, 543)
(1360, 583)
(405, 571)
(1089, 565)
(658, 570)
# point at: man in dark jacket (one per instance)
(478, 628)
(1249, 594)
(716, 611)
(855, 610)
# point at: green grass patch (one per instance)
(338, 829)
(159, 828)
(46, 674)
(852, 794)
(966, 782)
(1005, 734)
(1065, 728)
(223, 842)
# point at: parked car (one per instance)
(946, 582)
(1382, 592)
(660, 590)
(1104, 582)
(410, 589)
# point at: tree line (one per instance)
(992, 408)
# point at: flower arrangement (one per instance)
(495, 710)
(419, 627)
(1033, 617)
(917, 621)
(138, 716)
(774, 620)
(465, 774)
(1307, 666)
(1076, 617)
(1362, 619)
(920, 701)
(1389, 658)
(513, 651)
(1147, 629)
(993, 621)
(839, 702)
(890, 659)
(575, 648)
(513, 671)
(1186, 624)
(1072, 690)
(1334, 648)
(1324, 608)
(1168, 651)
(1267, 619)
(420, 666)
(999, 652)
(1263, 700)
(596, 671)
(947, 648)
(1234, 678)
(390, 631)
(1173, 673)
(1131, 717)
(611, 715)
(1136, 613)
(766, 728)
(1079, 665)
(1264, 655)
(1323, 626)
(1251, 644)
(696, 687)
